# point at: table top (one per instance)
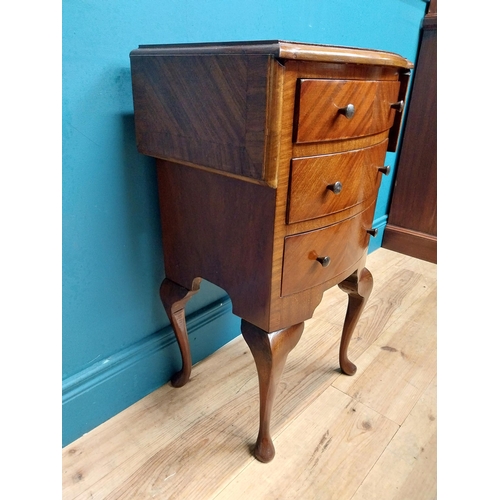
(281, 49)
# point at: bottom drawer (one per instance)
(341, 245)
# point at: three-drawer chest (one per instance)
(269, 158)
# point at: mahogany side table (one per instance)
(269, 158)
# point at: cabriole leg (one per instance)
(174, 298)
(358, 287)
(270, 351)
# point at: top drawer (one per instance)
(340, 109)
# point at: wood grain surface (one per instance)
(283, 49)
(209, 111)
(310, 177)
(344, 244)
(320, 104)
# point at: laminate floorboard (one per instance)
(370, 436)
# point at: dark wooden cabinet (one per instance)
(412, 222)
(269, 159)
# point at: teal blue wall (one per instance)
(117, 343)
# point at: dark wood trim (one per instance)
(430, 22)
(419, 245)
(412, 222)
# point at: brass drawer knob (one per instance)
(372, 232)
(385, 169)
(324, 261)
(335, 188)
(348, 111)
(398, 106)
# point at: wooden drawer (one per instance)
(319, 115)
(344, 243)
(314, 191)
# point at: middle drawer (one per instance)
(323, 185)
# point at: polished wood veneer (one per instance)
(321, 113)
(320, 195)
(269, 158)
(302, 251)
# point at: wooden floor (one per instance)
(370, 436)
